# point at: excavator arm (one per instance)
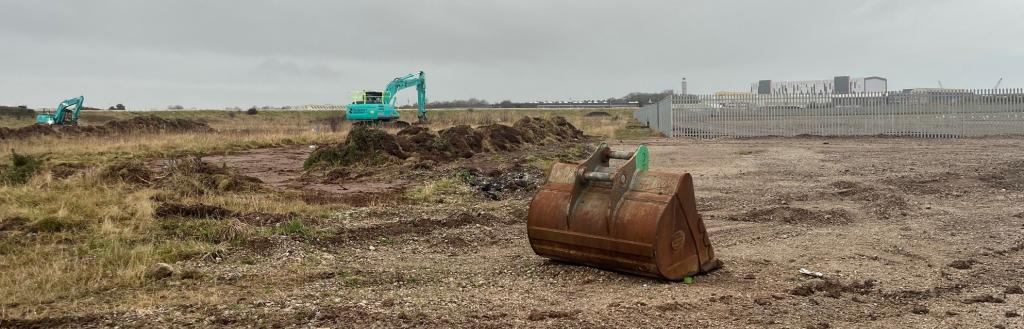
(419, 81)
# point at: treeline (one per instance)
(17, 112)
(643, 98)
(458, 103)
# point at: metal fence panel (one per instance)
(932, 113)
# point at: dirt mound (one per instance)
(538, 130)
(984, 298)
(833, 288)
(794, 215)
(1008, 176)
(597, 114)
(129, 172)
(65, 170)
(363, 145)
(177, 210)
(884, 202)
(192, 177)
(377, 124)
(140, 124)
(369, 146)
(156, 124)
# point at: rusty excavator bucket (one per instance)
(629, 219)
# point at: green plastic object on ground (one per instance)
(66, 113)
(380, 105)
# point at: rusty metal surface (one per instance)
(638, 222)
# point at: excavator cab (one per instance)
(368, 97)
(370, 106)
(629, 220)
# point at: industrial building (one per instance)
(837, 85)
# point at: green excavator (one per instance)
(379, 106)
(66, 113)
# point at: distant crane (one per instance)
(998, 83)
(940, 85)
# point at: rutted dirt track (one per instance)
(909, 233)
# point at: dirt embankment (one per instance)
(147, 124)
(420, 144)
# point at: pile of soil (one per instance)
(415, 144)
(183, 176)
(143, 124)
(134, 172)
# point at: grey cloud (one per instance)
(226, 53)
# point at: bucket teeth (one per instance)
(630, 220)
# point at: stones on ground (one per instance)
(819, 325)
(160, 271)
(1013, 290)
(984, 298)
(1012, 314)
(919, 309)
(962, 264)
(538, 315)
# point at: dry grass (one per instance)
(88, 234)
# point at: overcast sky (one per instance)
(203, 53)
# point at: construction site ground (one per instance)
(907, 233)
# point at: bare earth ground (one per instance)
(909, 233)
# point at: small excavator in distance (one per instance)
(379, 106)
(66, 113)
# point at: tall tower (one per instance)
(682, 89)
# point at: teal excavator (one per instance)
(66, 113)
(379, 106)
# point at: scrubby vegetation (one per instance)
(89, 215)
(22, 168)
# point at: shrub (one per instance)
(252, 111)
(22, 168)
